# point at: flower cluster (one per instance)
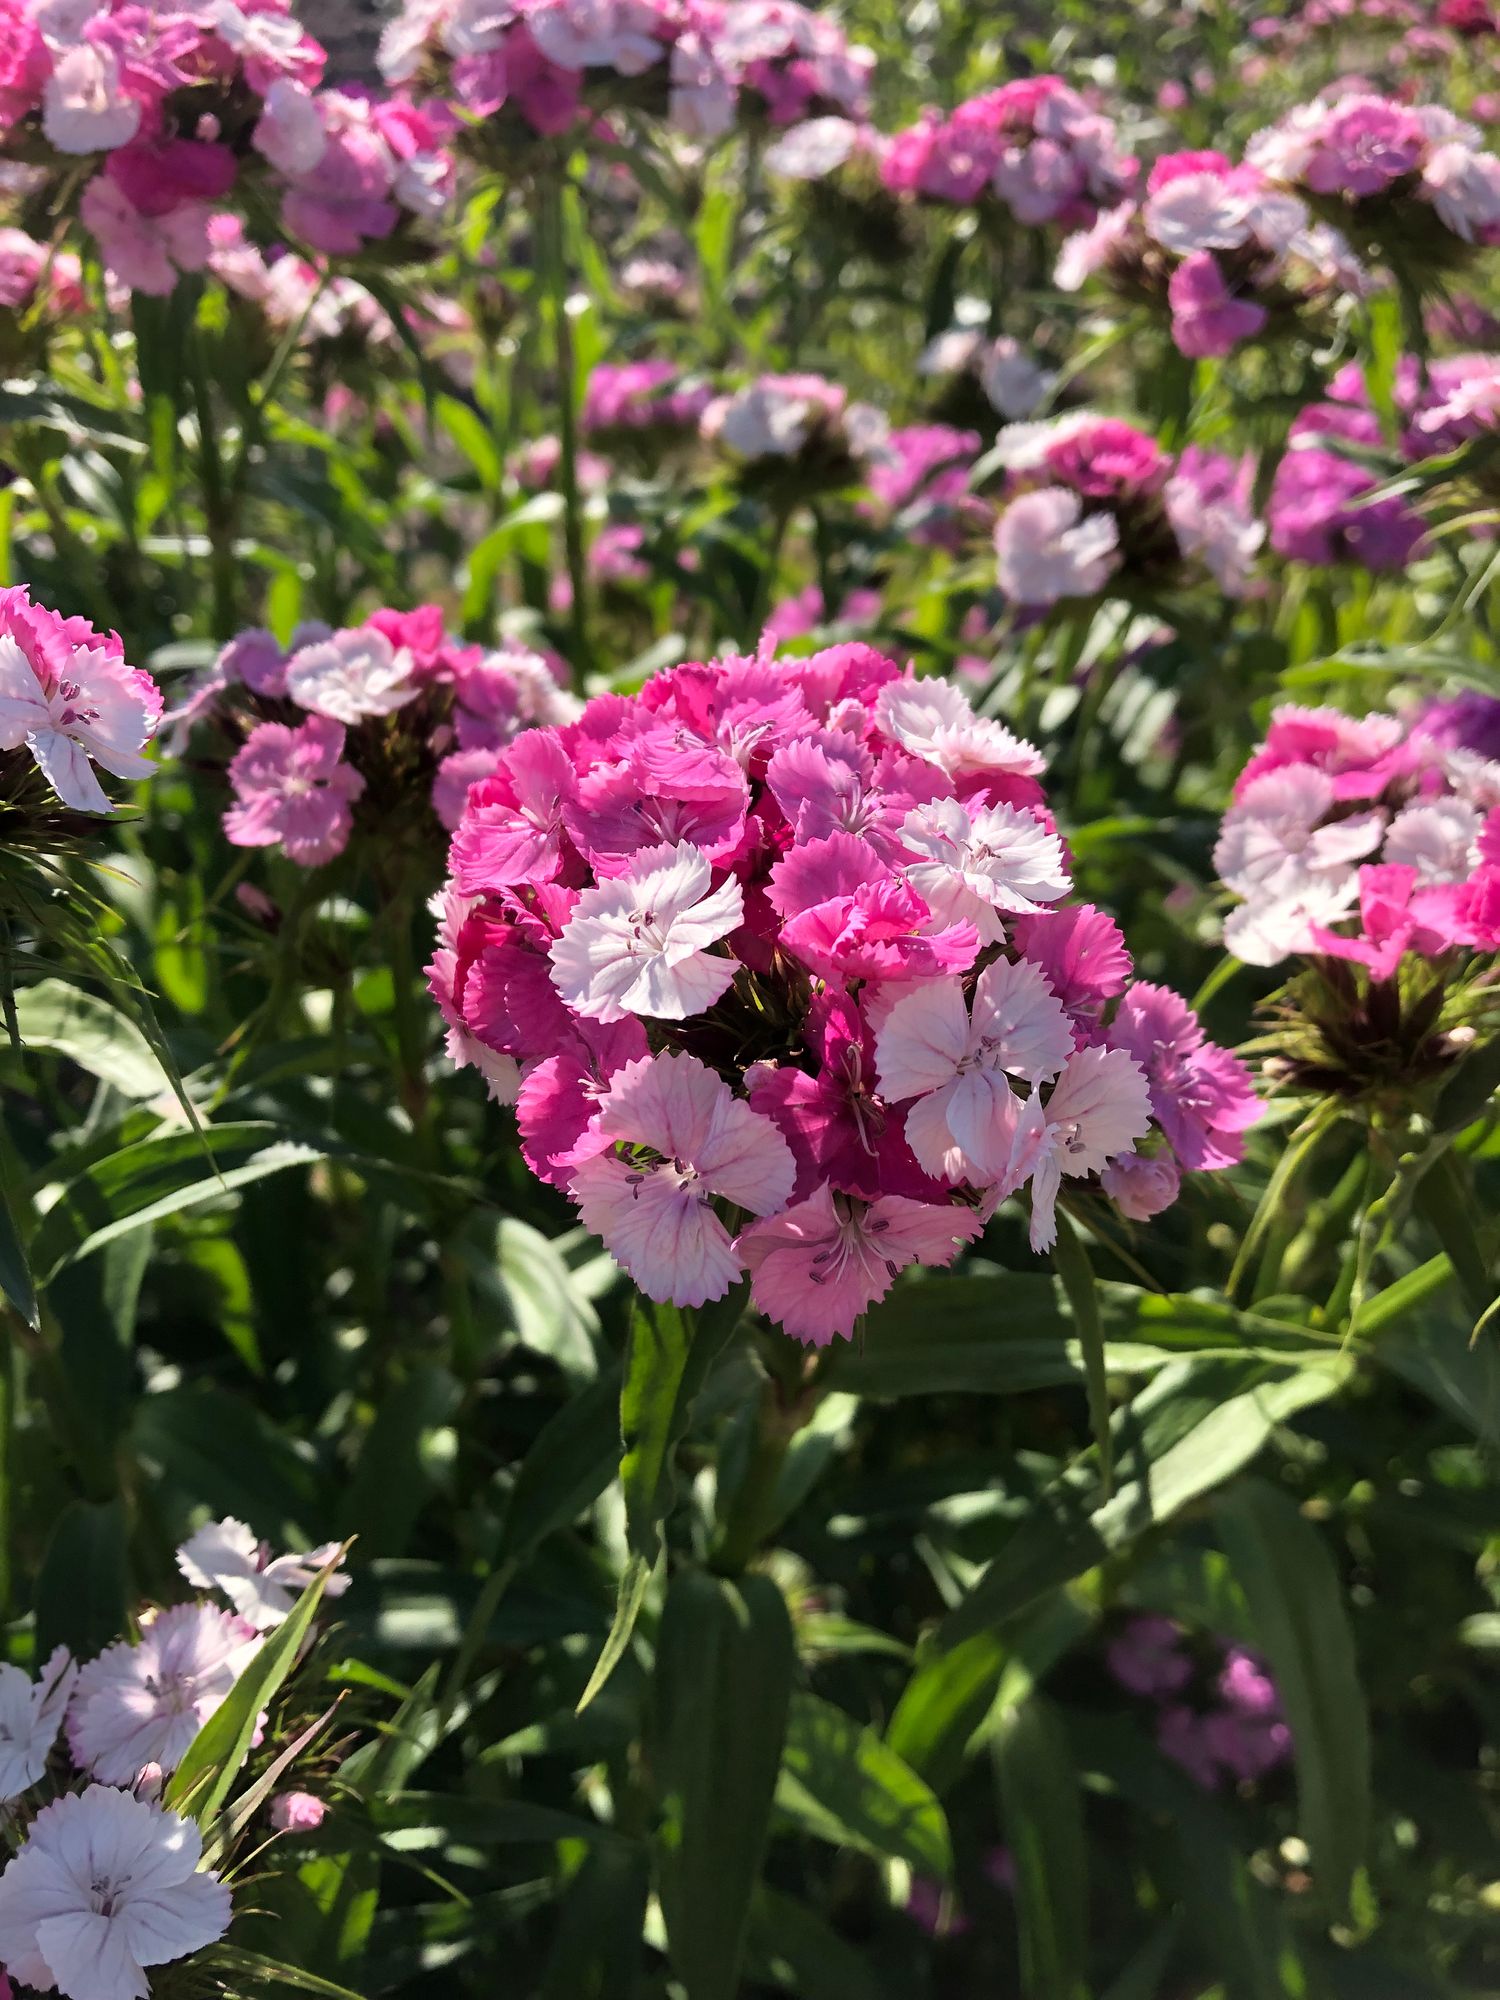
(921, 482)
(800, 432)
(1013, 382)
(68, 701)
(776, 964)
(105, 1881)
(1365, 839)
(646, 401)
(1033, 149)
(354, 727)
(546, 64)
(1218, 246)
(1234, 1727)
(179, 105)
(1410, 181)
(1093, 501)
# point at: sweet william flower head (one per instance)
(105, 1886)
(821, 1031)
(225, 1556)
(144, 1703)
(31, 1714)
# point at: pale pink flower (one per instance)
(104, 1886)
(31, 1713)
(1439, 838)
(958, 1064)
(358, 672)
(598, 34)
(934, 720)
(639, 943)
(686, 1141)
(297, 1812)
(1279, 837)
(1015, 383)
(818, 146)
(289, 132)
(293, 790)
(1141, 1185)
(226, 1556)
(145, 252)
(1203, 211)
(71, 704)
(144, 1703)
(85, 105)
(817, 1267)
(1047, 549)
(1094, 1114)
(1465, 191)
(972, 865)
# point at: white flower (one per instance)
(975, 865)
(1439, 839)
(471, 28)
(31, 1713)
(85, 109)
(764, 420)
(105, 1886)
(1216, 533)
(226, 1556)
(1089, 250)
(1274, 844)
(354, 674)
(274, 37)
(144, 1704)
(1015, 384)
(934, 720)
(638, 944)
(289, 132)
(816, 147)
(1465, 190)
(1099, 1107)
(1271, 928)
(1198, 212)
(1047, 549)
(95, 709)
(597, 34)
(952, 352)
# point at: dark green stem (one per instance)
(553, 273)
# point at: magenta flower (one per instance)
(1147, 1657)
(294, 791)
(1207, 319)
(1201, 1096)
(68, 698)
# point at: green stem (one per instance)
(765, 582)
(553, 272)
(1280, 1185)
(218, 505)
(785, 1407)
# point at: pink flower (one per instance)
(639, 942)
(1207, 319)
(972, 865)
(145, 252)
(68, 697)
(958, 1063)
(1397, 916)
(289, 132)
(1201, 1096)
(1096, 1111)
(934, 720)
(817, 1267)
(143, 1704)
(293, 790)
(354, 674)
(1147, 1657)
(687, 1141)
(297, 1812)
(847, 915)
(1080, 950)
(85, 106)
(1142, 1185)
(1048, 550)
(344, 199)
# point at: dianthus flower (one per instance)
(1369, 848)
(775, 960)
(1411, 182)
(373, 726)
(1218, 247)
(68, 702)
(1033, 149)
(1090, 498)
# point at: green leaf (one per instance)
(724, 1665)
(793, 1946)
(472, 436)
(1469, 1090)
(66, 1021)
(261, 1970)
(597, 1955)
(415, 1821)
(1041, 1812)
(842, 1783)
(15, 1267)
(157, 1177)
(1300, 1624)
(82, 1592)
(570, 1462)
(1193, 1427)
(392, 1479)
(211, 1762)
(628, 1601)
